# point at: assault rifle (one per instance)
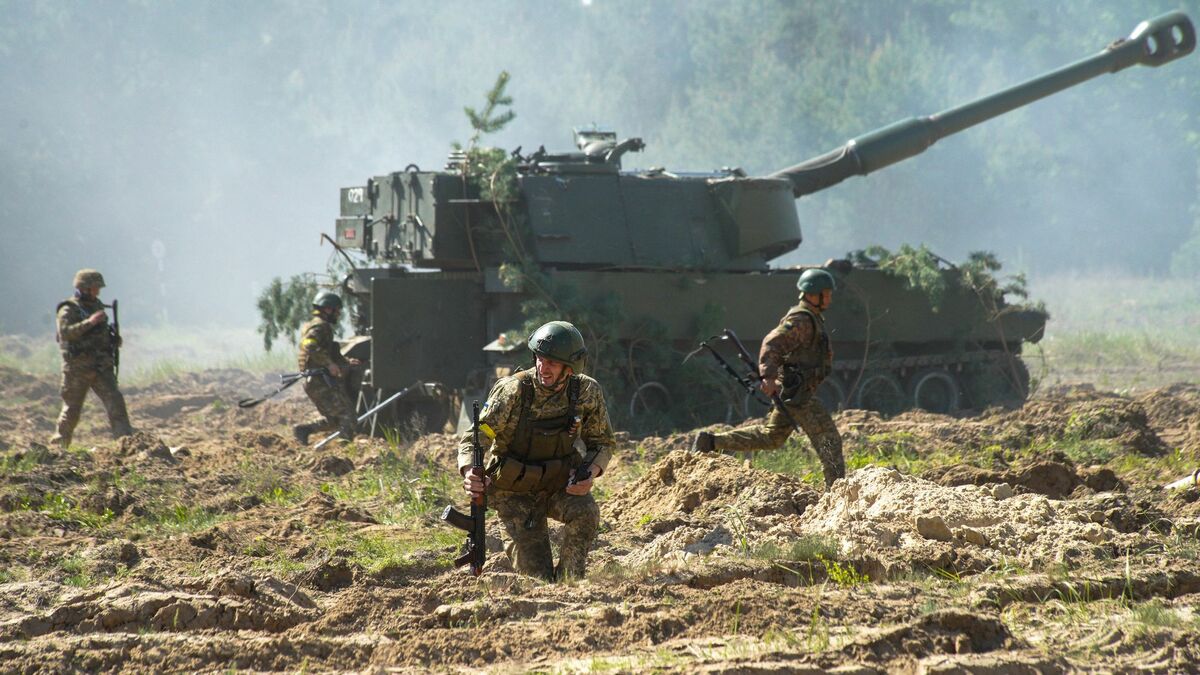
(752, 379)
(472, 524)
(288, 379)
(114, 333)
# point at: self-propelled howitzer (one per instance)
(679, 251)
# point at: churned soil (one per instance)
(1037, 539)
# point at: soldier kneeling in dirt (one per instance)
(536, 416)
(88, 352)
(318, 350)
(797, 351)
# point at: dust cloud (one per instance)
(193, 152)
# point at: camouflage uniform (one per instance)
(87, 354)
(530, 461)
(799, 346)
(318, 349)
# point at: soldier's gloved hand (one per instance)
(96, 317)
(335, 370)
(769, 387)
(581, 488)
(473, 483)
(355, 362)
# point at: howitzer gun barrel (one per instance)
(1152, 43)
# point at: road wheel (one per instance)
(881, 392)
(1003, 382)
(934, 390)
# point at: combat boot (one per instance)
(301, 433)
(704, 442)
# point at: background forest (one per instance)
(193, 151)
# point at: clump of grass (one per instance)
(60, 508)
(1153, 614)
(76, 569)
(844, 575)
(22, 462)
(267, 482)
(806, 548)
(398, 491)
(180, 518)
(795, 458)
(376, 551)
(899, 450)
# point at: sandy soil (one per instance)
(1014, 541)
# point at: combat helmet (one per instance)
(560, 341)
(87, 278)
(815, 280)
(327, 300)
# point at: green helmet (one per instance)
(815, 280)
(327, 300)
(88, 278)
(560, 341)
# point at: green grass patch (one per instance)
(795, 458)
(23, 462)
(1154, 614)
(808, 547)
(898, 450)
(180, 518)
(76, 570)
(60, 508)
(376, 550)
(396, 490)
(267, 482)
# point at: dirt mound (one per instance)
(1175, 412)
(686, 484)
(144, 445)
(17, 384)
(243, 603)
(893, 522)
(689, 505)
(1056, 480)
(1086, 415)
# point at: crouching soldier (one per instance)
(88, 349)
(318, 349)
(536, 415)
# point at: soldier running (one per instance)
(536, 416)
(795, 358)
(88, 348)
(318, 349)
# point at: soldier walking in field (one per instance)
(534, 418)
(88, 349)
(795, 358)
(318, 350)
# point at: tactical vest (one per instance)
(96, 340)
(805, 368)
(322, 345)
(542, 453)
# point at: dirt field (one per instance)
(1032, 540)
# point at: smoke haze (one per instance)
(193, 151)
